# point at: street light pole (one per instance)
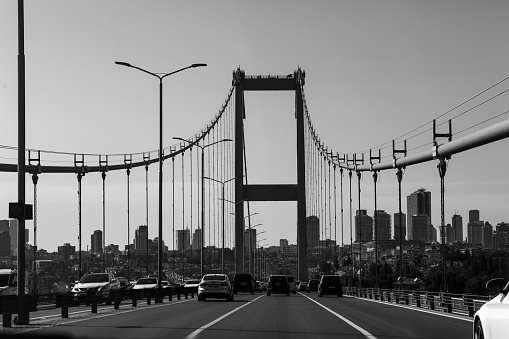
(202, 259)
(160, 233)
(223, 199)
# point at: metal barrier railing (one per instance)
(10, 305)
(439, 301)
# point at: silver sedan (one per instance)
(215, 286)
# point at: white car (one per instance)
(191, 286)
(145, 284)
(491, 320)
(215, 286)
(99, 283)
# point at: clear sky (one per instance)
(375, 70)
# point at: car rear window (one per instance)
(214, 277)
(243, 277)
(95, 278)
(147, 281)
(330, 280)
(279, 278)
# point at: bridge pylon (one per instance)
(272, 192)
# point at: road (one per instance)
(258, 316)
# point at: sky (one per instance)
(375, 70)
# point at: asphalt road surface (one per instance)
(254, 316)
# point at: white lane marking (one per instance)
(201, 329)
(358, 328)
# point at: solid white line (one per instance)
(358, 328)
(199, 330)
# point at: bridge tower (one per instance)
(274, 192)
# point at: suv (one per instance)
(99, 284)
(330, 284)
(243, 282)
(278, 284)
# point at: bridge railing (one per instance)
(463, 304)
(10, 304)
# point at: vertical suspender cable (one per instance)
(146, 210)
(191, 197)
(35, 179)
(351, 231)
(399, 175)
(183, 222)
(359, 173)
(128, 223)
(330, 217)
(79, 224)
(375, 178)
(342, 215)
(103, 175)
(173, 210)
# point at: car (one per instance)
(215, 286)
(191, 285)
(303, 286)
(292, 284)
(278, 284)
(263, 285)
(312, 285)
(490, 321)
(257, 286)
(144, 284)
(243, 282)
(123, 283)
(8, 281)
(100, 284)
(330, 284)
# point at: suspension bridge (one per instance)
(212, 167)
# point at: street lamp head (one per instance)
(198, 65)
(121, 63)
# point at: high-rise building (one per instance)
(474, 232)
(487, 235)
(397, 228)
(501, 236)
(418, 203)
(66, 251)
(283, 242)
(363, 226)
(313, 230)
(183, 239)
(197, 239)
(457, 228)
(96, 242)
(421, 228)
(383, 225)
(473, 216)
(141, 238)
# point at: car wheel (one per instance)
(252, 292)
(319, 294)
(268, 294)
(287, 294)
(478, 331)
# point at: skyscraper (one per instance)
(397, 228)
(313, 230)
(487, 235)
(383, 225)
(457, 227)
(183, 239)
(96, 242)
(418, 203)
(141, 238)
(197, 239)
(474, 227)
(420, 227)
(363, 226)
